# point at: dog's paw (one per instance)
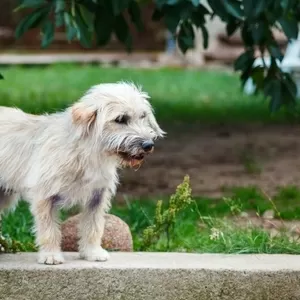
(95, 254)
(50, 258)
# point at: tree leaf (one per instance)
(87, 16)
(275, 51)
(172, 21)
(203, 9)
(219, 9)
(273, 90)
(160, 3)
(249, 7)
(83, 32)
(290, 85)
(157, 15)
(285, 4)
(171, 2)
(260, 32)
(47, 34)
(259, 7)
(232, 26)
(119, 6)
(276, 97)
(195, 2)
(59, 13)
(234, 8)
(198, 16)
(104, 25)
(32, 20)
(246, 35)
(205, 36)
(59, 19)
(257, 75)
(71, 31)
(253, 8)
(186, 37)
(244, 61)
(135, 15)
(289, 27)
(30, 4)
(90, 5)
(175, 13)
(122, 32)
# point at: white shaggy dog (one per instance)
(72, 157)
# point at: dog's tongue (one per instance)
(135, 162)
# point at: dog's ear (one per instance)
(154, 125)
(84, 115)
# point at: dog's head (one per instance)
(118, 120)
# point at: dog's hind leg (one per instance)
(48, 234)
(8, 199)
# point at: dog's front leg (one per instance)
(92, 226)
(48, 234)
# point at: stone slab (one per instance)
(159, 276)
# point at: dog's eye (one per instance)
(122, 119)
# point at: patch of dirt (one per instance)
(266, 222)
(216, 157)
(274, 226)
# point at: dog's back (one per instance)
(16, 131)
(10, 116)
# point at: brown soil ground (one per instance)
(216, 157)
(274, 227)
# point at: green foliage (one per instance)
(90, 22)
(93, 22)
(165, 219)
(8, 245)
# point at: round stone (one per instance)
(116, 237)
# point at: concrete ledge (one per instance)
(155, 276)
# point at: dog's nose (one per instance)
(147, 146)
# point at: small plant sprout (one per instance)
(165, 219)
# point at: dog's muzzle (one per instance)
(133, 160)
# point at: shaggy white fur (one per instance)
(71, 157)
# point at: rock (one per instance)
(269, 214)
(116, 237)
(244, 214)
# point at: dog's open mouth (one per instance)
(131, 160)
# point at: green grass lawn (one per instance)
(200, 228)
(184, 95)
